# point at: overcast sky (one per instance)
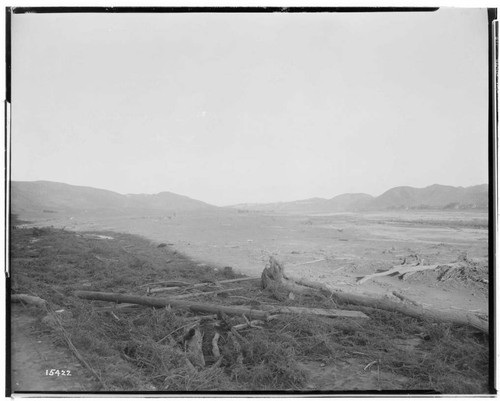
(232, 108)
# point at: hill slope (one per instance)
(431, 197)
(54, 197)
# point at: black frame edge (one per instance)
(492, 16)
(7, 150)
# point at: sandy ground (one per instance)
(334, 249)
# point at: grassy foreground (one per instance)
(144, 349)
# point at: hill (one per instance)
(431, 197)
(54, 197)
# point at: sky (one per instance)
(237, 108)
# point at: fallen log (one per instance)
(196, 294)
(467, 319)
(314, 311)
(162, 302)
(168, 284)
(211, 308)
(405, 269)
(462, 319)
(119, 308)
(405, 298)
(28, 299)
(197, 285)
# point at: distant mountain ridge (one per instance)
(54, 197)
(432, 197)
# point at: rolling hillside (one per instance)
(53, 197)
(431, 197)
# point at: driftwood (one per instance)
(211, 308)
(120, 308)
(168, 284)
(254, 323)
(449, 273)
(403, 270)
(405, 298)
(164, 289)
(467, 319)
(273, 275)
(308, 263)
(193, 341)
(162, 302)
(215, 345)
(28, 299)
(196, 294)
(314, 311)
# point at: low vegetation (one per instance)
(144, 349)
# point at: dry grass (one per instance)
(144, 350)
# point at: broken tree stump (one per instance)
(193, 341)
(274, 275)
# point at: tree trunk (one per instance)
(406, 269)
(314, 311)
(190, 286)
(467, 319)
(196, 294)
(28, 299)
(161, 302)
(211, 308)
